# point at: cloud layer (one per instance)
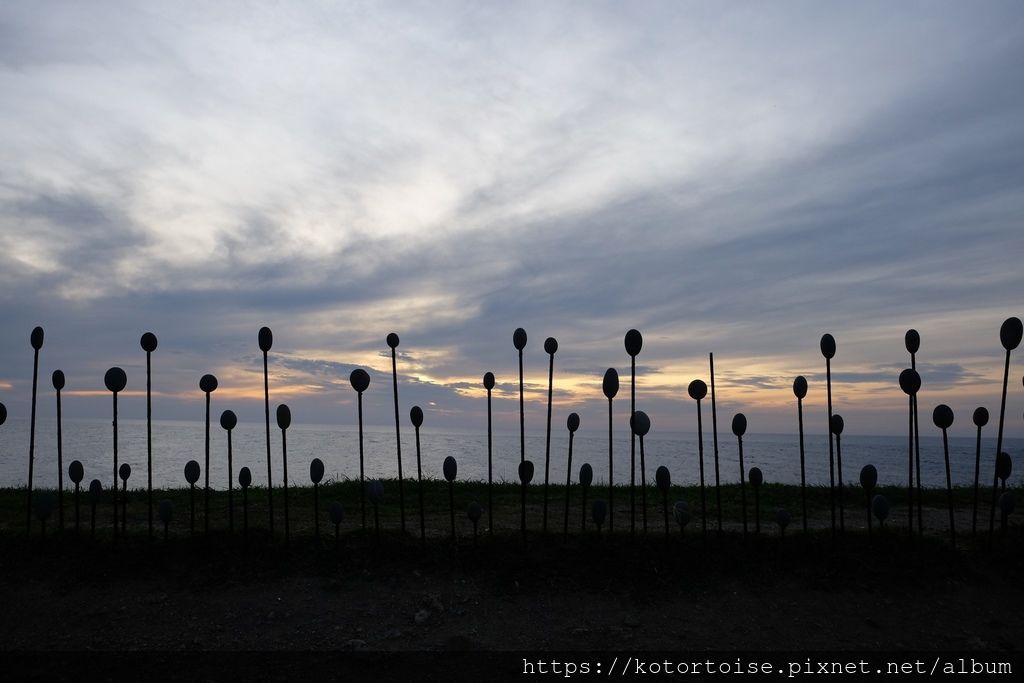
(732, 179)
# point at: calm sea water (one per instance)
(174, 443)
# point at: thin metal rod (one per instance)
(206, 481)
(398, 440)
(714, 430)
(362, 479)
(60, 467)
(831, 453)
(522, 415)
(977, 470)
(643, 485)
(910, 465)
(270, 475)
(231, 503)
(611, 506)
(149, 444)
(949, 489)
(115, 465)
(743, 485)
(999, 445)
(419, 488)
(32, 441)
(490, 485)
(632, 446)
(547, 447)
(568, 489)
(803, 473)
(700, 457)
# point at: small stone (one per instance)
(356, 644)
(422, 616)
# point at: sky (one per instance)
(735, 178)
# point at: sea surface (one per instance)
(177, 442)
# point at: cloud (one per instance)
(737, 180)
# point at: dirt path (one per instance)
(806, 593)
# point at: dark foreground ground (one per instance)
(769, 592)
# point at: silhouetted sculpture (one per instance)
(166, 512)
(208, 384)
(550, 347)
(473, 512)
(392, 342)
(525, 476)
(76, 473)
(800, 391)
(244, 481)
(148, 343)
(58, 384)
(450, 468)
(681, 512)
(376, 493)
(1004, 465)
(228, 420)
(828, 350)
(697, 391)
(836, 427)
(910, 382)
(782, 519)
(124, 471)
(1010, 334)
(572, 423)
(360, 381)
(912, 340)
(519, 341)
(316, 475)
(1006, 506)
(337, 514)
(586, 479)
(284, 421)
(739, 428)
(640, 424)
(633, 342)
(36, 340)
(942, 416)
(880, 506)
(664, 481)
(115, 380)
(610, 387)
(95, 491)
(868, 479)
(489, 385)
(416, 416)
(191, 476)
(980, 418)
(598, 511)
(756, 478)
(266, 341)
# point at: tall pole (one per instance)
(393, 341)
(714, 431)
(266, 340)
(550, 346)
(36, 339)
(148, 342)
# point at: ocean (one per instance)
(176, 442)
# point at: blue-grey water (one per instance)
(175, 442)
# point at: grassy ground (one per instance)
(506, 513)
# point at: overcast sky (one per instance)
(738, 178)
